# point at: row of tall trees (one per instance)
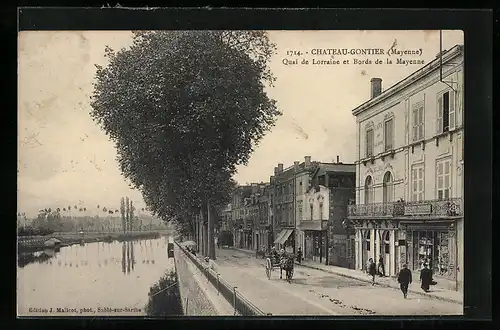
(184, 108)
(129, 220)
(72, 218)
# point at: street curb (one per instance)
(382, 284)
(365, 280)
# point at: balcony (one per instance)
(428, 208)
(451, 207)
(376, 210)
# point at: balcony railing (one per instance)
(451, 207)
(378, 209)
(427, 208)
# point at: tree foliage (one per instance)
(184, 108)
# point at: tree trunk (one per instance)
(211, 229)
(205, 238)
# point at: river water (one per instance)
(100, 279)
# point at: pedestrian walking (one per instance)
(372, 270)
(425, 278)
(404, 279)
(381, 267)
(299, 255)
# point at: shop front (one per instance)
(315, 240)
(434, 244)
(247, 239)
(285, 240)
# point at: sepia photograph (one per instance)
(240, 173)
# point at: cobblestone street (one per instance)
(315, 292)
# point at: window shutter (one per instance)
(452, 110)
(415, 125)
(421, 123)
(439, 122)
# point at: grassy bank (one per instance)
(165, 297)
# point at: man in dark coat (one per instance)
(404, 279)
(299, 254)
(425, 278)
(372, 270)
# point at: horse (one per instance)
(286, 264)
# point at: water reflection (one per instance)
(117, 274)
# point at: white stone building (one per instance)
(409, 183)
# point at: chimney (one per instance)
(307, 161)
(275, 170)
(280, 168)
(338, 161)
(376, 84)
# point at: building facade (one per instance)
(239, 214)
(409, 182)
(226, 216)
(326, 239)
(282, 184)
(303, 185)
(261, 218)
(288, 188)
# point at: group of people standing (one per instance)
(404, 276)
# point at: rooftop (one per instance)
(446, 55)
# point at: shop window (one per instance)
(431, 247)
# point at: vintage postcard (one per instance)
(240, 173)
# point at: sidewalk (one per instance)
(436, 293)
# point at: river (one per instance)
(100, 279)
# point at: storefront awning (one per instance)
(283, 236)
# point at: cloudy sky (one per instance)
(64, 158)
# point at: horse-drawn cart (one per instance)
(283, 263)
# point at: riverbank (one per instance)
(36, 243)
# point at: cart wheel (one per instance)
(268, 268)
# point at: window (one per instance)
(300, 187)
(387, 187)
(320, 211)
(312, 213)
(388, 134)
(444, 179)
(369, 142)
(368, 190)
(418, 122)
(299, 205)
(446, 112)
(417, 181)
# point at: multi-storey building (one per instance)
(285, 188)
(260, 212)
(239, 213)
(326, 239)
(409, 182)
(303, 176)
(226, 215)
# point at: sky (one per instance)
(65, 158)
